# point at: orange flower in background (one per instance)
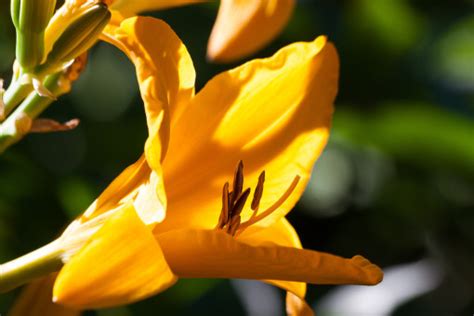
(245, 26)
(274, 115)
(242, 26)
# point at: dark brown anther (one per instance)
(224, 217)
(231, 199)
(225, 201)
(240, 202)
(238, 180)
(257, 195)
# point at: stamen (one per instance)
(231, 199)
(233, 202)
(239, 204)
(224, 217)
(238, 180)
(234, 225)
(257, 195)
(273, 207)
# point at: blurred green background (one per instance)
(396, 182)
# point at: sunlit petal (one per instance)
(281, 233)
(137, 185)
(122, 263)
(215, 254)
(244, 26)
(123, 189)
(165, 73)
(36, 299)
(273, 114)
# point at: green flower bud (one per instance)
(31, 18)
(78, 37)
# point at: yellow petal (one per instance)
(132, 7)
(272, 113)
(283, 234)
(215, 254)
(137, 183)
(36, 299)
(244, 26)
(121, 264)
(165, 73)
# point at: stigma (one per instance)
(235, 198)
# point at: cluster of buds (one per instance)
(32, 18)
(45, 54)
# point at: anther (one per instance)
(224, 217)
(240, 202)
(233, 203)
(257, 195)
(238, 180)
(231, 199)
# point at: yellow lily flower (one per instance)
(241, 28)
(273, 114)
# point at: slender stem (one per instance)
(17, 125)
(15, 93)
(35, 104)
(36, 264)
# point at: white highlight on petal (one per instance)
(148, 195)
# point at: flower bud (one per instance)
(78, 37)
(30, 18)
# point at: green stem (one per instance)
(38, 263)
(15, 93)
(17, 125)
(35, 104)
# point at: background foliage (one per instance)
(395, 184)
